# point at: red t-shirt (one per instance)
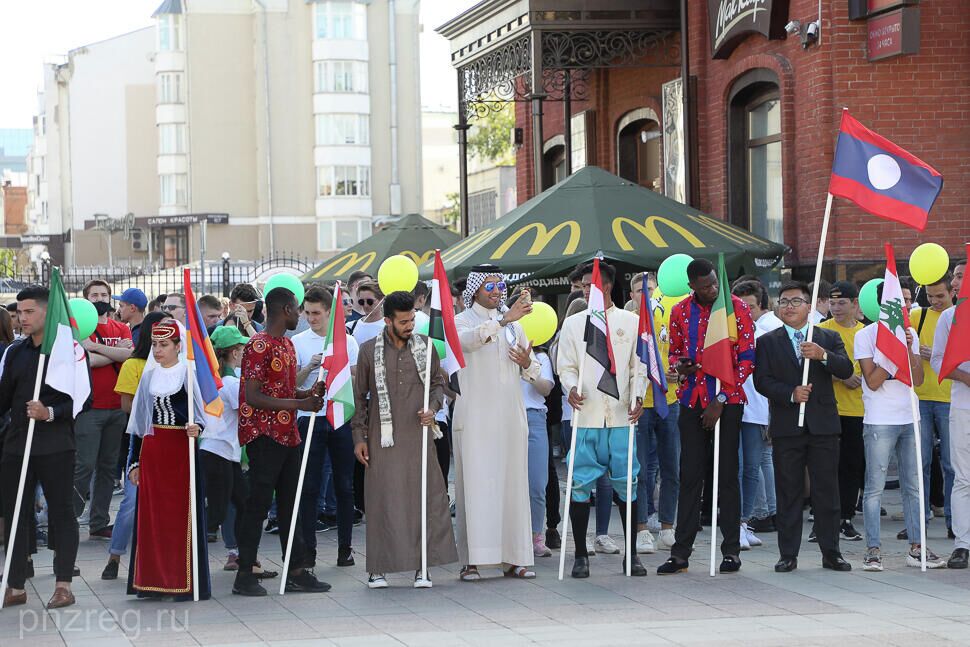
(272, 361)
(104, 378)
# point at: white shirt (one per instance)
(959, 392)
(366, 330)
(307, 344)
(532, 398)
(767, 322)
(756, 410)
(226, 442)
(890, 403)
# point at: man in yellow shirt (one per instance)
(934, 396)
(844, 307)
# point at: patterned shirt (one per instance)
(688, 325)
(272, 361)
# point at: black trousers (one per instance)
(55, 473)
(852, 464)
(272, 467)
(339, 444)
(695, 450)
(553, 516)
(791, 455)
(224, 483)
(442, 448)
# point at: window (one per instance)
(171, 139)
(339, 129)
(341, 234)
(170, 88)
(340, 76)
(170, 32)
(481, 210)
(577, 129)
(640, 149)
(173, 190)
(343, 181)
(171, 246)
(340, 20)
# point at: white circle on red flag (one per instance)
(883, 172)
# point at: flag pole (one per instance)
(917, 435)
(818, 279)
(429, 349)
(12, 530)
(714, 488)
(631, 535)
(190, 389)
(569, 469)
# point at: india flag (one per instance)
(67, 368)
(891, 352)
(722, 332)
(340, 389)
(441, 328)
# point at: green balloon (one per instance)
(868, 301)
(85, 316)
(288, 282)
(439, 345)
(672, 275)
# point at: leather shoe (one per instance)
(786, 564)
(672, 566)
(730, 564)
(62, 598)
(835, 562)
(636, 568)
(345, 556)
(958, 559)
(581, 567)
(10, 600)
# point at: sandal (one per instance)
(520, 572)
(469, 574)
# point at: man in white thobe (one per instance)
(490, 431)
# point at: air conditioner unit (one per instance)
(139, 240)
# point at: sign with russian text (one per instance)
(731, 21)
(892, 34)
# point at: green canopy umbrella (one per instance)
(412, 235)
(593, 212)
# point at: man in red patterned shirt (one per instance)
(268, 401)
(701, 406)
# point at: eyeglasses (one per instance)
(491, 286)
(797, 302)
(171, 308)
(368, 302)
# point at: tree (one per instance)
(451, 213)
(491, 137)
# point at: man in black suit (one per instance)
(778, 376)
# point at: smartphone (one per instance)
(685, 362)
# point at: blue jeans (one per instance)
(538, 466)
(764, 501)
(658, 449)
(751, 455)
(125, 519)
(934, 422)
(882, 441)
(327, 501)
(229, 530)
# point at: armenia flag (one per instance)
(441, 327)
(336, 361)
(722, 332)
(67, 367)
(649, 354)
(199, 351)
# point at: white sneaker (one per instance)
(667, 538)
(421, 582)
(605, 544)
(645, 543)
(653, 522)
(753, 540)
(932, 560)
(376, 581)
(744, 538)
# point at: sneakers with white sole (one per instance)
(667, 538)
(744, 538)
(872, 561)
(932, 560)
(653, 522)
(605, 544)
(646, 544)
(753, 540)
(539, 548)
(376, 581)
(421, 582)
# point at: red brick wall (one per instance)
(14, 210)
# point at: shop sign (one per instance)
(892, 34)
(731, 21)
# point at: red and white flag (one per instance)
(441, 327)
(597, 337)
(340, 389)
(891, 351)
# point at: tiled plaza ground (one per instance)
(900, 606)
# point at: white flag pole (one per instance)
(12, 530)
(818, 279)
(569, 470)
(190, 389)
(429, 349)
(631, 535)
(714, 488)
(917, 435)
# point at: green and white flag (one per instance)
(340, 389)
(67, 368)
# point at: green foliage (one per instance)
(452, 212)
(491, 137)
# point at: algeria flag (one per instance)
(891, 352)
(67, 369)
(340, 389)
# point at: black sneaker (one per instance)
(848, 532)
(110, 571)
(272, 526)
(763, 525)
(902, 535)
(345, 556)
(324, 526)
(358, 517)
(248, 585)
(673, 566)
(329, 519)
(553, 539)
(959, 558)
(730, 564)
(305, 582)
(949, 533)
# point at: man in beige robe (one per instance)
(490, 433)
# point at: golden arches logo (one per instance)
(419, 259)
(349, 260)
(649, 231)
(542, 238)
(734, 234)
(465, 248)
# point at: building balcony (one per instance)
(341, 50)
(337, 102)
(173, 164)
(343, 155)
(170, 113)
(169, 61)
(340, 207)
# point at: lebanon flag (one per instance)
(340, 389)
(958, 343)
(891, 352)
(597, 337)
(67, 368)
(722, 332)
(442, 328)
(649, 354)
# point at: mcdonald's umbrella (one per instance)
(595, 212)
(412, 235)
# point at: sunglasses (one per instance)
(368, 302)
(171, 308)
(491, 286)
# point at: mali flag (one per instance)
(722, 332)
(199, 351)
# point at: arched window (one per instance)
(553, 161)
(754, 155)
(639, 149)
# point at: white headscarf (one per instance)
(476, 278)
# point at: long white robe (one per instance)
(491, 444)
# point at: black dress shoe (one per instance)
(730, 564)
(958, 559)
(786, 564)
(581, 567)
(835, 562)
(305, 582)
(636, 568)
(247, 584)
(553, 539)
(672, 566)
(345, 556)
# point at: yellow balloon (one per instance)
(540, 324)
(397, 274)
(928, 263)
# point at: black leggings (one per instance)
(224, 482)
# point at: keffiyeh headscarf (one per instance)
(476, 278)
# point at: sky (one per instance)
(33, 32)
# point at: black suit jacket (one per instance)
(777, 372)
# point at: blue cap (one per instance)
(135, 297)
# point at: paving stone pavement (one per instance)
(900, 606)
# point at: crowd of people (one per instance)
(504, 424)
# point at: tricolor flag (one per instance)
(67, 367)
(441, 327)
(340, 388)
(649, 354)
(882, 178)
(597, 337)
(891, 351)
(957, 348)
(199, 351)
(722, 332)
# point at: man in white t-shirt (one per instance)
(369, 297)
(339, 443)
(887, 430)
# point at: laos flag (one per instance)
(882, 178)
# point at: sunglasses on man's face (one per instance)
(368, 302)
(491, 286)
(170, 308)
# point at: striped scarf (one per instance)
(418, 348)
